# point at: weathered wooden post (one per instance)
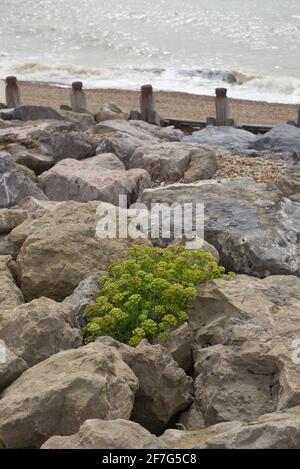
(147, 105)
(78, 100)
(210, 121)
(12, 93)
(222, 107)
(298, 120)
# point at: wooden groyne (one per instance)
(192, 125)
(147, 111)
(222, 117)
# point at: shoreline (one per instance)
(169, 103)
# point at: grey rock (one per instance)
(28, 133)
(61, 145)
(123, 137)
(282, 138)
(14, 183)
(11, 368)
(31, 113)
(102, 434)
(58, 395)
(255, 229)
(57, 139)
(35, 161)
(102, 177)
(84, 295)
(167, 134)
(228, 137)
(165, 162)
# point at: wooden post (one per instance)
(147, 104)
(222, 107)
(210, 121)
(78, 100)
(12, 93)
(298, 120)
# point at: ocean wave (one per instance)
(198, 80)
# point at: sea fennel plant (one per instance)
(148, 294)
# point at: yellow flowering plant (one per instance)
(148, 294)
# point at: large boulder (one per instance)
(246, 334)
(255, 229)
(279, 430)
(59, 247)
(33, 160)
(107, 434)
(236, 383)
(123, 137)
(282, 138)
(59, 394)
(10, 294)
(34, 331)
(11, 366)
(102, 177)
(165, 162)
(164, 388)
(61, 145)
(84, 295)
(56, 139)
(14, 183)
(228, 137)
(28, 133)
(31, 113)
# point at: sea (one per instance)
(252, 47)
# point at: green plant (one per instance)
(148, 295)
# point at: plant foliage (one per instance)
(148, 294)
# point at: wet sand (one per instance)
(169, 104)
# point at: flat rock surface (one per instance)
(254, 228)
